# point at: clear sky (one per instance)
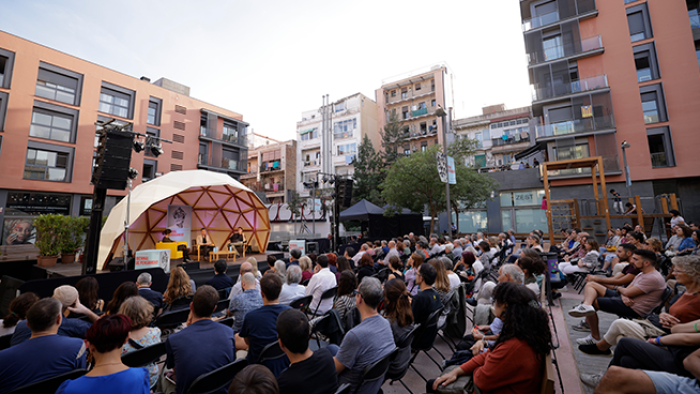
(272, 59)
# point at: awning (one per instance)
(307, 131)
(531, 150)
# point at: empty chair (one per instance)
(272, 352)
(227, 321)
(427, 333)
(404, 343)
(172, 319)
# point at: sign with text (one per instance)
(451, 171)
(298, 244)
(153, 258)
(180, 222)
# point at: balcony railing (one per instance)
(554, 52)
(659, 160)
(562, 89)
(694, 16)
(229, 164)
(575, 126)
(268, 168)
(274, 187)
(512, 139)
(311, 163)
(541, 20)
(419, 112)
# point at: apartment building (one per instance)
(500, 133)
(272, 170)
(49, 104)
(604, 72)
(352, 118)
(413, 99)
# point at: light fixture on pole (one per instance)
(138, 146)
(628, 180)
(156, 149)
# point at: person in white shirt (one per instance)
(433, 247)
(292, 290)
(322, 280)
(356, 258)
(676, 218)
(451, 275)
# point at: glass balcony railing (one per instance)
(553, 51)
(562, 89)
(575, 126)
(419, 112)
(510, 139)
(541, 20)
(694, 18)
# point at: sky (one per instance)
(270, 60)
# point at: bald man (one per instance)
(246, 267)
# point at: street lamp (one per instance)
(441, 113)
(628, 180)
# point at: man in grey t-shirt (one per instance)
(367, 342)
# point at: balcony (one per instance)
(210, 134)
(583, 48)
(223, 163)
(659, 160)
(271, 188)
(311, 163)
(579, 126)
(567, 9)
(563, 89)
(270, 167)
(419, 112)
(511, 139)
(541, 20)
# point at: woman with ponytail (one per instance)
(397, 309)
(17, 311)
(515, 362)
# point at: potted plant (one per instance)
(49, 230)
(72, 237)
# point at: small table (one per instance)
(225, 253)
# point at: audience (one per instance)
(413, 264)
(281, 270)
(260, 325)
(322, 280)
(140, 312)
(178, 295)
(365, 343)
(397, 310)
(687, 244)
(345, 299)
(395, 269)
(245, 268)
(306, 366)
(144, 282)
(366, 267)
(292, 290)
(294, 256)
(254, 379)
(514, 364)
(108, 374)
(121, 294)
(17, 311)
(451, 275)
(45, 354)
(332, 262)
(87, 292)
(589, 260)
(307, 269)
(220, 280)
(243, 303)
(203, 346)
(442, 282)
(424, 303)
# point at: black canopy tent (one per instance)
(380, 226)
(360, 211)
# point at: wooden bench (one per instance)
(547, 376)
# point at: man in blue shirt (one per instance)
(260, 325)
(241, 304)
(45, 354)
(220, 281)
(203, 346)
(144, 282)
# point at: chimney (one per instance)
(146, 79)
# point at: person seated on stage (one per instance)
(220, 281)
(306, 365)
(45, 354)
(237, 240)
(238, 287)
(178, 295)
(76, 328)
(206, 244)
(144, 282)
(292, 290)
(181, 248)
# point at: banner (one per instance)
(153, 258)
(180, 223)
(442, 166)
(298, 244)
(451, 170)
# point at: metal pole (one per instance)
(628, 181)
(313, 205)
(447, 185)
(126, 223)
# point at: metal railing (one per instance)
(659, 159)
(694, 16)
(578, 86)
(512, 139)
(541, 20)
(575, 126)
(554, 52)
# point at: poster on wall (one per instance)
(18, 231)
(153, 258)
(180, 222)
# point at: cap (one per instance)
(66, 294)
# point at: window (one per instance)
(639, 23)
(423, 128)
(418, 86)
(7, 60)
(347, 149)
(521, 210)
(697, 51)
(97, 128)
(345, 128)
(629, 1)
(421, 105)
(393, 93)
(404, 112)
(653, 104)
(116, 101)
(55, 83)
(3, 109)
(660, 147)
(645, 62)
(203, 158)
(230, 159)
(404, 93)
(149, 170)
(154, 105)
(310, 134)
(46, 164)
(230, 132)
(151, 132)
(433, 103)
(407, 152)
(53, 122)
(340, 107)
(553, 48)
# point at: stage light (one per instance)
(133, 173)
(157, 150)
(138, 146)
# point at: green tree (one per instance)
(413, 182)
(294, 204)
(392, 135)
(368, 173)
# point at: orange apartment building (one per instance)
(604, 72)
(49, 103)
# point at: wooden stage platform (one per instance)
(75, 269)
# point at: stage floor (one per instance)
(75, 269)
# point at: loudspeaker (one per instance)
(117, 264)
(311, 247)
(113, 160)
(345, 192)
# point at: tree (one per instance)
(294, 204)
(413, 182)
(368, 173)
(392, 135)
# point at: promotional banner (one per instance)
(180, 223)
(298, 244)
(451, 171)
(153, 258)
(442, 166)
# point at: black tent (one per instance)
(360, 211)
(381, 226)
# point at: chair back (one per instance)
(665, 298)
(330, 293)
(222, 305)
(377, 369)
(301, 303)
(227, 321)
(271, 351)
(343, 389)
(406, 340)
(5, 341)
(145, 356)
(306, 282)
(49, 385)
(172, 318)
(213, 381)
(428, 330)
(223, 293)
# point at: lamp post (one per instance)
(441, 113)
(628, 180)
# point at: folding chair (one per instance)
(49, 385)
(343, 389)
(271, 351)
(5, 341)
(330, 293)
(403, 343)
(145, 356)
(302, 303)
(227, 321)
(217, 379)
(222, 305)
(376, 370)
(427, 330)
(172, 318)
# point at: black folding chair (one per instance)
(330, 293)
(403, 343)
(302, 303)
(306, 282)
(665, 298)
(227, 321)
(172, 318)
(221, 305)
(5, 341)
(452, 299)
(145, 356)
(213, 381)
(427, 330)
(343, 389)
(377, 370)
(49, 385)
(271, 351)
